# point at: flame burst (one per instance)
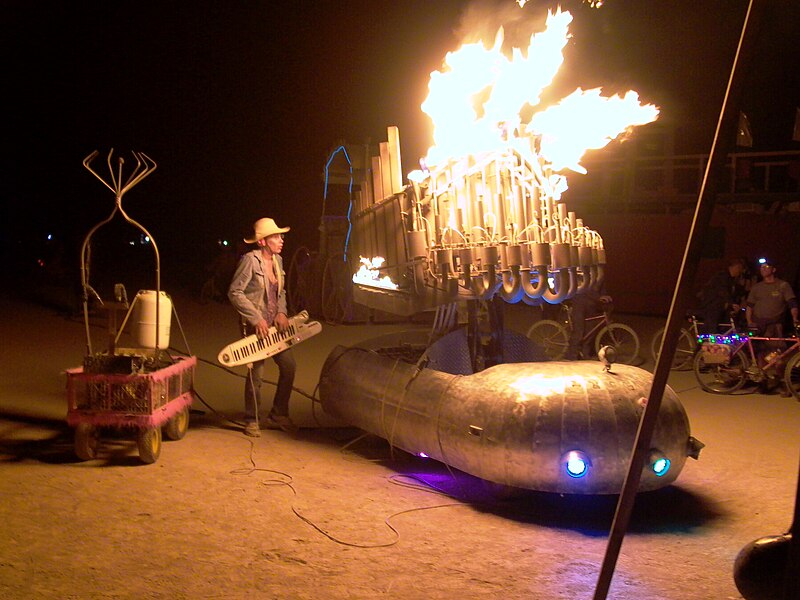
(592, 3)
(476, 102)
(369, 274)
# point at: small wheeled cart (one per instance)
(146, 387)
(148, 402)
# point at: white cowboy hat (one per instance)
(265, 228)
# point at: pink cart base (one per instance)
(108, 419)
(135, 401)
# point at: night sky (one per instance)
(241, 103)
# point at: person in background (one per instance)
(721, 295)
(767, 305)
(746, 281)
(258, 293)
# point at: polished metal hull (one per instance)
(511, 424)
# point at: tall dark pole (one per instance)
(715, 169)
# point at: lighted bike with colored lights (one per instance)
(688, 344)
(725, 363)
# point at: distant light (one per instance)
(659, 463)
(422, 455)
(576, 463)
(49, 237)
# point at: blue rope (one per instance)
(349, 193)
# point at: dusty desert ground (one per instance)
(329, 515)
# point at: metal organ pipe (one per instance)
(539, 260)
(485, 284)
(503, 231)
(586, 268)
(415, 244)
(511, 289)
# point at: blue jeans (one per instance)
(252, 386)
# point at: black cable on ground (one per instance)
(286, 480)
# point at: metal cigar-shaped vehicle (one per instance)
(565, 427)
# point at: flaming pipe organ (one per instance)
(471, 228)
(482, 219)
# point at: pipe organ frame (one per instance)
(475, 227)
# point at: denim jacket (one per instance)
(248, 289)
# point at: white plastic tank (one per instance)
(144, 319)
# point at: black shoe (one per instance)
(284, 423)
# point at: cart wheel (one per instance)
(149, 442)
(176, 427)
(86, 441)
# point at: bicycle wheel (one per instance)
(792, 376)
(684, 349)
(623, 339)
(721, 378)
(550, 336)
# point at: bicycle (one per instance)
(687, 344)
(726, 362)
(553, 337)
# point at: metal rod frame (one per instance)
(144, 167)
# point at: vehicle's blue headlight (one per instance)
(576, 463)
(659, 463)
